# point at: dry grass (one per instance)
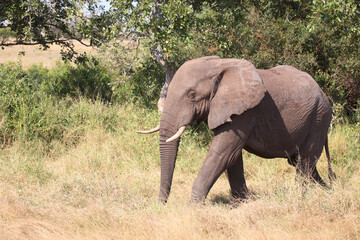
(35, 55)
(106, 186)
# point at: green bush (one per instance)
(138, 77)
(87, 78)
(146, 83)
(6, 33)
(21, 102)
(36, 103)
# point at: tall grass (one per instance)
(101, 180)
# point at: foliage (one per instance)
(165, 24)
(88, 78)
(6, 33)
(35, 103)
(138, 77)
(146, 83)
(35, 22)
(315, 36)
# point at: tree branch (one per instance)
(3, 44)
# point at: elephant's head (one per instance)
(209, 89)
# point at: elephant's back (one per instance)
(292, 89)
(293, 104)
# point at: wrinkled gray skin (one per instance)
(280, 112)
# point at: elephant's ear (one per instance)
(236, 89)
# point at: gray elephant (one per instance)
(276, 113)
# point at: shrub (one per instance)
(37, 103)
(138, 77)
(87, 78)
(146, 83)
(6, 33)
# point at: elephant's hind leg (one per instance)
(306, 171)
(293, 159)
(315, 176)
(235, 175)
(306, 166)
(310, 151)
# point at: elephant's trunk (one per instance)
(168, 153)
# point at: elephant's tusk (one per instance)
(177, 134)
(155, 129)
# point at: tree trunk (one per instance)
(169, 74)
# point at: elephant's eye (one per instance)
(191, 95)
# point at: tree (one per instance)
(48, 22)
(160, 24)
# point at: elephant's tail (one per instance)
(332, 175)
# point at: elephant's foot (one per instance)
(197, 197)
(293, 159)
(306, 174)
(162, 201)
(241, 194)
(316, 178)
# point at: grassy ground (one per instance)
(102, 183)
(34, 55)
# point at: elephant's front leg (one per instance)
(235, 175)
(224, 153)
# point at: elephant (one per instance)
(275, 113)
